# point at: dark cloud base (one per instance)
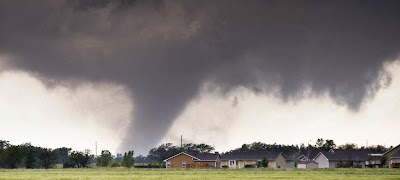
(164, 51)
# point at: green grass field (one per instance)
(122, 173)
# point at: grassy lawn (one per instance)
(122, 173)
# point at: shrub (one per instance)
(264, 162)
(249, 166)
(115, 163)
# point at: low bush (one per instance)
(249, 166)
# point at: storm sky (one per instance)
(138, 73)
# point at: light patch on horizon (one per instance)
(77, 117)
(4, 62)
(243, 116)
(63, 116)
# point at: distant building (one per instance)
(393, 157)
(302, 156)
(186, 160)
(240, 159)
(307, 165)
(374, 160)
(335, 158)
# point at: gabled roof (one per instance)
(310, 154)
(180, 154)
(307, 162)
(347, 154)
(206, 156)
(391, 150)
(320, 154)
(250, 155)
(397, 154)
(198, 157)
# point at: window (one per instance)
(168, 163)
(231, 163)
(183, 163)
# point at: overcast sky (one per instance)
(133, 74)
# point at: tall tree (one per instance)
(78, 159)
(63, 152)
(128, 160)
(259, 146)
(244, 147)
(2, 158)
(31, 159)
(163, 151)
(329, 144)
(13, 157)
(4, 144)
(378, 149)
(204, 148)
(104, 159)
(48, 158)
(319, 143)
(348, 146)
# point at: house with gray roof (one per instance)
(335, 158)
(240, 159)
(302, 156)
(393, 157)
(374, 160)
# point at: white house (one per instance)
(307, 165)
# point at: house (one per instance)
(307, 164)
(374, 160)
(335, 158)
(240, 159)
(190, 160)
(393, 157)
(302, 156)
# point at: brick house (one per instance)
(190, 160)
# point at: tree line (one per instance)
(28, 156)
(32, 157)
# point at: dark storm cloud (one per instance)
(164, 50)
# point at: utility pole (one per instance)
(96, 148)
(181, 141)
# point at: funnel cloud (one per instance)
(164, 51)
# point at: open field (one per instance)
(109, 173)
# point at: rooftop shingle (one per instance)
(249, 155)
(310, 153)
(205, 156)
(347, 154)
